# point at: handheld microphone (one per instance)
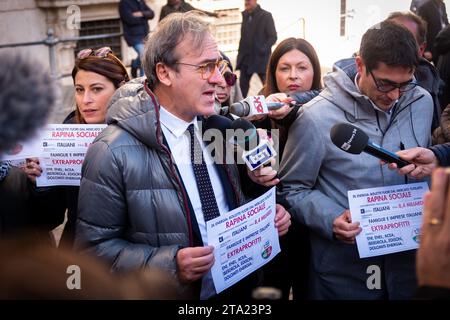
(257, 104)
(244, 109)
(215, 129)
(253, 105)
(257, 152)
(353, 140)
(218, 122)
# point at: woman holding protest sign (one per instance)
(96, 76)
(293, 75)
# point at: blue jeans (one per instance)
(136, 63)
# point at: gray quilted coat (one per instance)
(133, 210)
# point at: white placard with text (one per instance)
(244, 240)
(390, 218)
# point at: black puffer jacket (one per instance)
(133, 210)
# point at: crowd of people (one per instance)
(150, 184)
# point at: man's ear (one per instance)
(359, 64)
(164, 74)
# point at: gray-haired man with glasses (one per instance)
(383, 100)
(148, 185)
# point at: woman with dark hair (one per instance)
(96, 76)
(293, 59)
(293, 74)
(98, 73)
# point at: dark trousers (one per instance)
(244, 80)
(290, 268)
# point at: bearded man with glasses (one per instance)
(148, 183)
(383, 100)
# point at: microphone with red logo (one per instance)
(252, 105)
(257, 105)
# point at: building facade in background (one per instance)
(333, 27)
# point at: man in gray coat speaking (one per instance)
(148, 183)
(384, 101)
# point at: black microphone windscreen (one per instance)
(217, 122)
(26, 98)
(245, 135)
(243, 124)
(349, 138)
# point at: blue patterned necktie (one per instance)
(205, 189)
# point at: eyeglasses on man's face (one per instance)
(207, 69)
(102, 53)
(386, 86)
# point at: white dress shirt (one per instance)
(174, 130)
